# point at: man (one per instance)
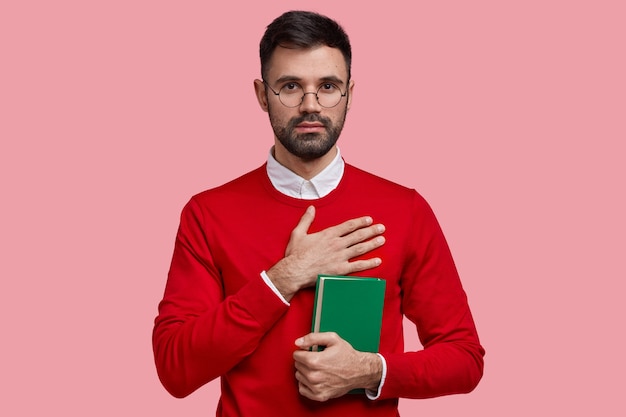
(239, 295)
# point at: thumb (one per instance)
(318, 339)
(305, 221)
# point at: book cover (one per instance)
(352, 307)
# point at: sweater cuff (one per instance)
(261, 302)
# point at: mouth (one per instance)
(310, 127)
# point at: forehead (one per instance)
(315, 63)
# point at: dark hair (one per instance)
(301, 29)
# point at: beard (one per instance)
(308, 146)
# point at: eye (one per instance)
(291, 87)
(328, 88)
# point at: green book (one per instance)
(352, 307)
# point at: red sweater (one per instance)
(219, 319)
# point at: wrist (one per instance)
(373, 371)
(281, 281)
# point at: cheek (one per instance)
(280, 118)
(339, 117)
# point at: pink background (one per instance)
(509, 117)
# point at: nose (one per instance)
(310, 104)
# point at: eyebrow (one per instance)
(331, 78)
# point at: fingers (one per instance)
(327, 374)
(362, 265)
(305, 221)
(364, 246)
(329, 251)
(312, 380)
(356, 244)
(308, 389)
(363, 234)
(358, 250)
(351, 225)
(358, 230)
(353, 231)
(312, 339)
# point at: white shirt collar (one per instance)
(293, 185)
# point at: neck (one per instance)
(305, 169)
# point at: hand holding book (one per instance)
(347, 318)
(337, 370)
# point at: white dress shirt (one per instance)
(293, 185)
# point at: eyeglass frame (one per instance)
(277, 94)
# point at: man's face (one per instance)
(307, 131)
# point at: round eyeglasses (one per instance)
(292, 94)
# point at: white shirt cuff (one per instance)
(373, 395)
(270, 284)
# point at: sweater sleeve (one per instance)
(434, 300)
(199, 334)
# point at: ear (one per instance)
(261, 94)
(350, 90)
